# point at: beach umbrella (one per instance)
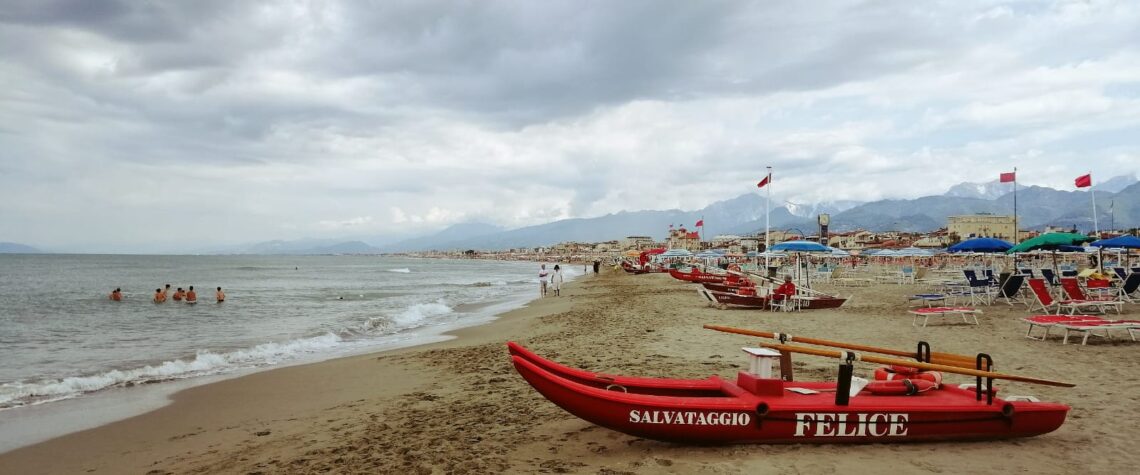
(1121, 242)
(676, 253)
(836, 252)
(913, 252)
(800, 246)
(1126, 242)
(1052, 242)
(981, 245)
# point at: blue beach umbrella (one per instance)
(1125, 242)
(981, 245)
(800, 246)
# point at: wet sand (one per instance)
(459, 407)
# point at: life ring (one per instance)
(899, 387)
(895, 373)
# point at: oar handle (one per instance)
(913, 364)
(938, 358)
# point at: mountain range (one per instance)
(1037, 207)
(16, 248)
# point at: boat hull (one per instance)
(730, 414)
(698, 277)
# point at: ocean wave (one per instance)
(402, 270)
(497, 283)
(204, 363)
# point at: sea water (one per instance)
(62, 338)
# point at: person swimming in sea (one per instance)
(191, 295)
(178, 294)
(221, 296)
(116, 295)
(159, 295)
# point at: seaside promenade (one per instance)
(459, 407)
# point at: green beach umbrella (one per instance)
(1049, 241)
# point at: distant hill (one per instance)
(451, 237)
(16, 248)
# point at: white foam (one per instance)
(419, 312)
(402, 270)
(204, 363)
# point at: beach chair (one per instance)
(906, 275)
(981, 292)
(1046, 302)
(1049, 276)
(1049, 321)
(1011, 289)
(1026, 272)
(1129, 287)
(1121, 273)
(1074, 291)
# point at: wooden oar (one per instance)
(951, 359)
(913, 364)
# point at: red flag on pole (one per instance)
(700, 222)
(765, 181)
(1084, 181)
(1008, 177)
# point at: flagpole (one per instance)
(767, 223)
(1092, 192)
(1015, 207)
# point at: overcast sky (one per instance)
(158, 125)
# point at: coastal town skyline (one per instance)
(156, 127)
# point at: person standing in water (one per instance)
(543, 274)
(165, 292)
(191, 295)
(556, 281)
(221, 296)
(178, 294)
(116, 295)
(159, 296)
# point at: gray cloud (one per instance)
(284, 119)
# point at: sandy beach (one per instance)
(458, 406)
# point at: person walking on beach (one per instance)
(556, 281)
(191, 295)
(542, 276)
(597, 264)
(116, 295)
(159, 295)
(221, 296)
(178, 294)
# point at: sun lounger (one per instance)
(1049, 321)
(927, 299)
(1089, 328)
(967, 313)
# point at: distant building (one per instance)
(980, 225)
(636, 242)
(683, 239)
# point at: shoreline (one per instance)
(182, 406)
(37, 423)
(458, 406)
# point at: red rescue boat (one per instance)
(768, 410)
(695, 275)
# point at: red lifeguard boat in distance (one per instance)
(695, 275)
(758, 409)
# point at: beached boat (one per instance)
(695, 275)
(803, 302)
(759, 409)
